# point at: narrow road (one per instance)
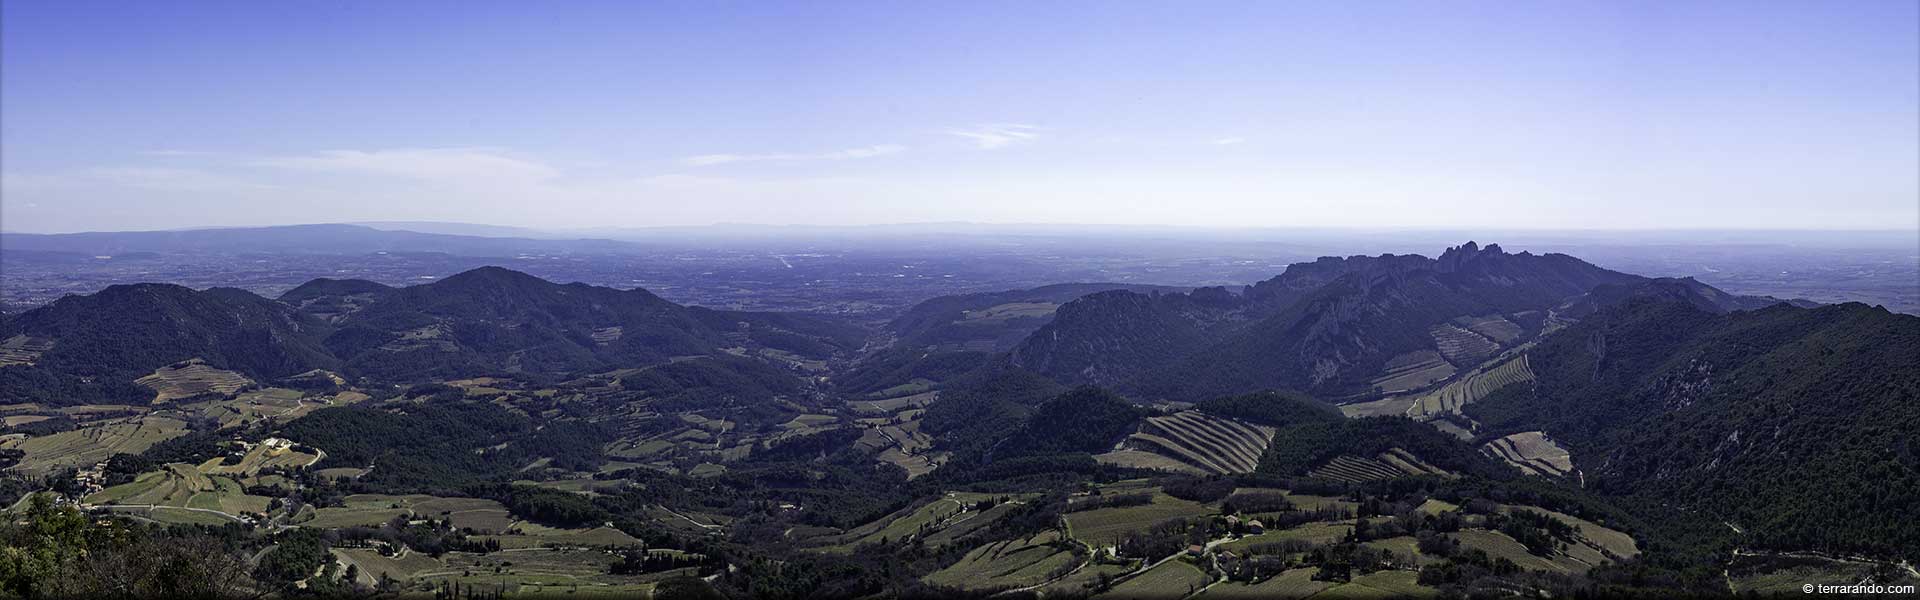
(151, 507)
(689, 520)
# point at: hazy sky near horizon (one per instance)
(120, 115)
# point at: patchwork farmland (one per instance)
(1195, 442)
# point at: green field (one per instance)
(1106, 526)
(1172, 579)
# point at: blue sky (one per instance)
(122, 115)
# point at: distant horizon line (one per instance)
(398, 225)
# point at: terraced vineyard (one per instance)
(1462, 347)
(1203, 442)
(1533, 452)
(1388, 465)
(1412, 371)
(192, 378)
(1471, 388)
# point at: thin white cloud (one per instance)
(998, 135)
(445, 164)
(173, 152)
(131, 178)
(1227, 141)
(706, 160)
(681, 180)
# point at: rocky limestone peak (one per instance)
(1458, 256)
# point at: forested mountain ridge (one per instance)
(1683, 289)
(1794, 425)
(96, 345)
(485, 321)
(1105, 338)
